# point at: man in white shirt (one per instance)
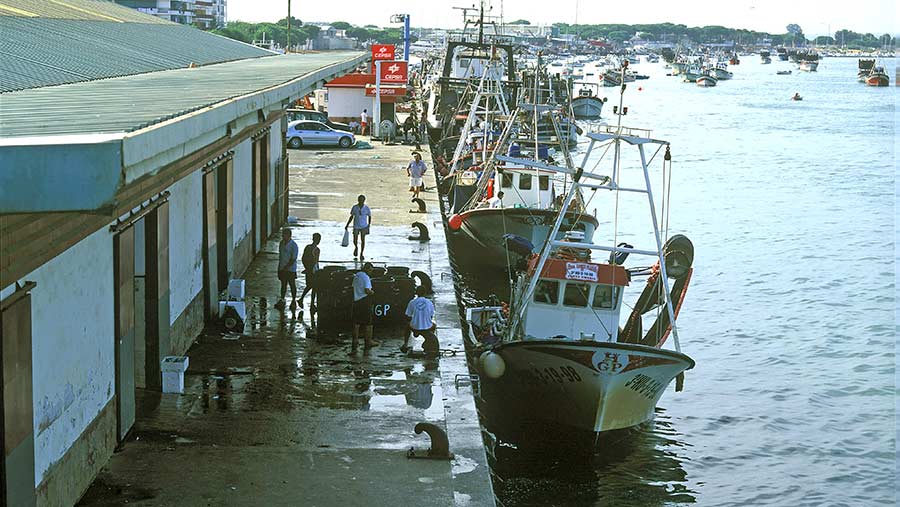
(363, 122)
(287, 267)
(361, 216)
(420, 312)
(363, 310)
(496, 201)
(416, 170)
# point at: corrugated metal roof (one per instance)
(130, 103)
(80, 40)
(96, 10)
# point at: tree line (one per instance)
(670, 32)
(302, 32)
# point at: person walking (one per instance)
(310, 260)
(361, 216)
(416, 170)
(363, 310)
(287, 268)
(363, 122)
(420, 312)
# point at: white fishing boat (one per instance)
(587, 104)
(530, 201)
(556, 356)
(706, 81)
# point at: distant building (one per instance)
(330, 37)
(205, 14)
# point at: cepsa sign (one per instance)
(393, 72)
(382, 52)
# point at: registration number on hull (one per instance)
(550, 375)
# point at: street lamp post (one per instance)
(288, 48)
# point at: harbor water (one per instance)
(790, 314)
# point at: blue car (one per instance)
(314, 133)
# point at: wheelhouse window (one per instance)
(605, 297)
(576, 294)
(547, 292)
(524, 182)
(506, 180)
(544, 182)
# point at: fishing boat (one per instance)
(692, 73)
(808, 60)
(587, 104)
(706, 81)
(720, 71)
(783, 73)
(865, 66)
(765, 55)
(878, 77)
(491, 201)
(558, 356)
(782, 54)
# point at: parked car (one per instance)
(309, 114)
(315, 133)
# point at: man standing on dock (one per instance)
(287, 268)
(361, 216)
(310, 261)
(363, 309)
(416, 170)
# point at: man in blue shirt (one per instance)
(420, 312)
(287, 268)
(363, 310)
(361, 216)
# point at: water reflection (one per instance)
(640, 467)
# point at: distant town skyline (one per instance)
(815, 18)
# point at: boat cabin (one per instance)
(575, 300)
(524, 187)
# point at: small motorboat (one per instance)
(878, 77)
(796, 97)
(784, 73)
(706, 81)
(587, 104)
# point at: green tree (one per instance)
(520, 22)
(824, 40)
(341, 25)
(619, 36)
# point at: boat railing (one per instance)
(625, 131)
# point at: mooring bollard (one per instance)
(423, 232)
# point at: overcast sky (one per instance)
(814, 16)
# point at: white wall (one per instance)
(242, 171)
(73, 330)
(185, 243)
(349, 102)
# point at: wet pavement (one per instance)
(283, 413)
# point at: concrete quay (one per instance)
(285, 415)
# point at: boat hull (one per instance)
(706, 81)
(589, 387)
(878, 80)
(587, 107)
(809, 66)
(485, 227)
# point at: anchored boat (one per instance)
(558, 355)
(878, 77)
(587, 104)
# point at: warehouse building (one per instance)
(141, 167)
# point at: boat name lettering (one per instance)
(644, 385)
(534, 220)
(581, 271)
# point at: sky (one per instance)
(815, 17)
